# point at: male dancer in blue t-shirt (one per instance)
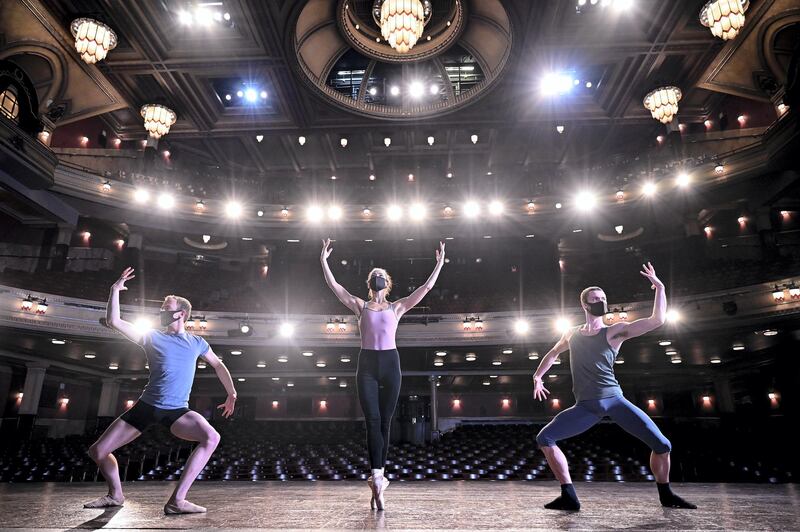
(172, 357)
(593, 348)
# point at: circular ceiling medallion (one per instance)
(462, 52)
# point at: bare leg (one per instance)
(119, 433)
(558, 463)
(192, 427)
(659, 465)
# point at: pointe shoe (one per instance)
(372, 490)
(377, 492)
(183, 507)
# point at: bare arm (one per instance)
(405, 304)
(225, 378)
(623, 331)
(539, 391)
(349, 300)
(126, 328)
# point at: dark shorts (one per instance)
(141, 415)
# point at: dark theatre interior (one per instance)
(550, 145)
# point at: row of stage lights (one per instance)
(583, 201)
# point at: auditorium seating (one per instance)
(254, 451)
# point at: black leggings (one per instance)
(378, 383)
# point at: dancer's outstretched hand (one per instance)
(326, 249)
(227, 406)
(127, 275)
(440, 252)
(539, 391)
(650, 273)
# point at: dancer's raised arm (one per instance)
(349, 300)
(113, 319)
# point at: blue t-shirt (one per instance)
(172, 359)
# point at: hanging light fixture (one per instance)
(157, 119)
(402, 22)
(93, 39)
(663, 103)
(724, 17)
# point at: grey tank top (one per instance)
(591, 361)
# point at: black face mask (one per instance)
(167, 317)
(598, 308)
(377, 283)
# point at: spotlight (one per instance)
(245, 328)
(417, 212)
(683, 180)
(141, 195)
(496, 208)
(260, 213)
(588, 84)
(560, 129)
(334, 212)
(431, 140)
(416, 89)
(239, 93)
(286, 329)
(619, 229)
(228, 97)
(394, 90)
(649, 189)
(142, 325)
(387, 141)
(448, 210)
(166, 201)
(366, 211)
(301, 140)
(673, 316)
(283, 359)
(472, 209)
(263, 95)
(411, 177)
(474, 139)
(372, 177)
(185, 18)
(623, 5)
(233, 209)
(562, 325)
(742, 119)
(206, 239)
(585, 201)
(250, 95)
(314, 214)
(373, 91)
(554, 83)
(343, 142)
(394, 212)
(435, 90)
(521, 326)
(558, 205)
(259, 138)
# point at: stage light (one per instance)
(456, 403)
(487, 383)
(619, 229)
(470, 357)
(343, 384)
(345, 359)
(394, 212)
(619, 360)
(417, 212)
(585, 201)
(373, 91)
(113, 366)
(438, 362)
(556, 403)
(558, 205)
(649, 189)
(283, 359)
(620, 195)
(259, 138)
(238, 352)
(742, 119)
(394, 90)
(199, 205)
(250, 95)
(263, 95)
(474, 138)
(708, 230)
(770, 332)
(142, 324)
(496, 208)
(431, 140)
(719, 169)
(560, 129)
(521, 326)
(387, 141)
(314, 213)
(471, 209)
(206, 239)
(533, 355)
(449, 175)
(343, 142)
(555, 83)
(497, 363)
(86, 235)
(622, 5)
(141, 195)
(129, 403)
(673, 316)
(106, 186)
(166, 201)
(227, 97)
(416, 89)
(664, 343)
(57, 341)
(245, 328)
(301, 140)
(233, 209)
(777, 294)
(738, 347)
(41, 307)
(562, 325)
(651, 403)
(307, 353)
(683, 180)
(320, 364)
(286, 329)
(334, 212)
(588, 84)
(290, 385)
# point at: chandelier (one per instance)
(663, 103)
(724, 17)
(93, 40)
(401, 21)
(157, 119)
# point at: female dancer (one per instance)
(378, 374)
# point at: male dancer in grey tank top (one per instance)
(593, 347)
